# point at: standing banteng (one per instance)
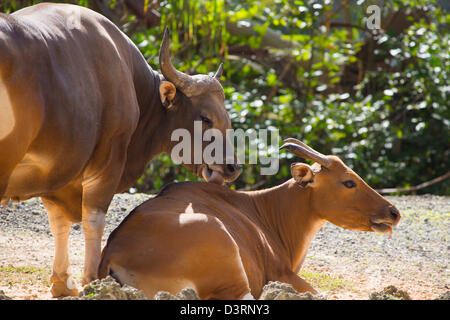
(81, 115)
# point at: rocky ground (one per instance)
(341, 264)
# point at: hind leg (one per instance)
(226, 278)
(216, 264)
(63, 208)
(20, 119)
(168, 252)
(62, 284)
(8, 161)
(228, 281)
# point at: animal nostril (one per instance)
(395, 214)
(232, 168)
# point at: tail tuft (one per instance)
(104, 266)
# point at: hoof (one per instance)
(87, 280)
(63, 287)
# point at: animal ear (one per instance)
(302, 173)
(167, 93)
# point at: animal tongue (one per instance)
(216, 178)
(212, 176)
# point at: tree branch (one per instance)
(415, 188)
(270, 39)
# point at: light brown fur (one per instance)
(87, 117)
(201, 233)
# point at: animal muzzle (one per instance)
(221, 173)
(385, 222)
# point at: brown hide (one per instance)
(200, 234)
(81, 116)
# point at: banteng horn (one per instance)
(302, 150)
(219, 72)
(189, 85)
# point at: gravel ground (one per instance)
(341, 264)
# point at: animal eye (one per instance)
(206, 120)
(349, 184)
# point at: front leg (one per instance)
(298, 283)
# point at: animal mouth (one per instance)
(381, 226)
(212, 175)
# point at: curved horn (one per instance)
(302, 150)
(295, 141)
(219, 72)
(181, 80)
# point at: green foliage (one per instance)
(402, 126)
(376, 98)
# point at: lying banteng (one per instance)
(228, 244)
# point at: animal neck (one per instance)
(151, 134)
(286, 212)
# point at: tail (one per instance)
(104, 267)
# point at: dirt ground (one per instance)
(341, 264)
